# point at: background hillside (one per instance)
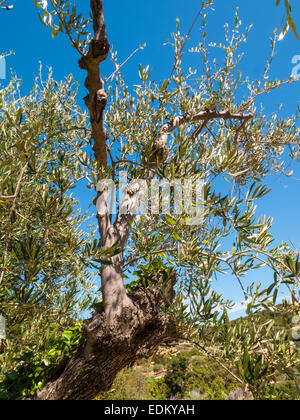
(184, 372)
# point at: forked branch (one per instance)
(160, 144)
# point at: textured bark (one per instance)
(108, 348)
(158, 152)
(96, 100)
(114, 293)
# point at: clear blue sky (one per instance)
(134, 22)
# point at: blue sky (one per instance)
(134, 22)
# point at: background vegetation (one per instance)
(48, 256)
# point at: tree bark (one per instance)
(96, 100)
(108, 348)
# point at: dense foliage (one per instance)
(34, 365)
(214, 129)
(45, 283)
(202, 379)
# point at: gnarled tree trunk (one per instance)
(109, 347)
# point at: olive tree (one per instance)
(201, 126)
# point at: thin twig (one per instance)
(147, 254)
(7, 197)
(187, 36)
(209, 354)
(123, 64)
(199, 129)
(63, 24)
(134, 163)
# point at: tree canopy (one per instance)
(156, 268)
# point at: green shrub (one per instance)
(176, 377)
(130, 384)
(158, 388)
(34, 368)
(286, 390)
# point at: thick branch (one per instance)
(96, 100)
(160, 144)
(103, 214)
(206, 115)
(98, 20)
(2, 2)
(127, 212)
(114, 293)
